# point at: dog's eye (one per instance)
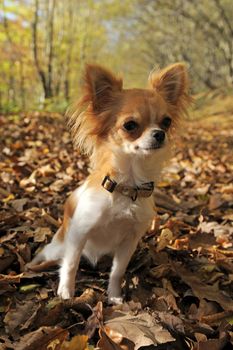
(130, 125)
(166, 122)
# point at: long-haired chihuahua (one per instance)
(128, 135)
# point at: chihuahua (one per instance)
(128, 135)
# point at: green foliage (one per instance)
(45, 44)
(56, 104)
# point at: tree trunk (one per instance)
(46, 79)
(22, 85)
(50, 60)
(69, 53)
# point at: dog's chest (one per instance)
(113, 219)
(135, 212)
(122, 219)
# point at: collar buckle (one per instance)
(109, 184)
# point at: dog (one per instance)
(128, 135)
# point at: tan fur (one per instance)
(69, 208)
(173, 84)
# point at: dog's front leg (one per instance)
(74, 244)
(120, 262)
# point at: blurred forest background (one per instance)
(44, 45)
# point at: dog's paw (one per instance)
(115, 300)
(65, 292)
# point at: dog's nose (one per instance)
(159, 135)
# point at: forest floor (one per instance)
(179, 284)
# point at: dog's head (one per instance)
(133, 121)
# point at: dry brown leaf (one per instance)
(142, 329)
(49, 219)
(45, 265)
(215, 319)
(164, 239)
(106, 343)
(201, 239)
(41, 338)
(168, 285)
(95, 320)
(16, 317)
(5, 261)
(204, 308)
(112, 340)
(125, 307)
(89, 296)
(160, 271)
(165, 201)
(168, 297)
(10, 279)
(31, 180)
(174, 323)
(41, 234)
(57, 185)
(215, 201)
(213, 344)
(18, 204)
(7, 219)
(203, 290)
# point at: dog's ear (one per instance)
(172, 83)
(100, 86)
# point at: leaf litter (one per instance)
(179, 284)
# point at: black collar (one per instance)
(144, 190)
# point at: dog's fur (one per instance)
(97, 222)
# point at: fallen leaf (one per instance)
(164, 239)
(106, 343)
(9, 198)
(28, 288)
(41, 338)
(79, 342)
(142, 329)
(17, 316)
(95, 320)
(215, 201)
(214, 344)
(174, 323)
(203, 290)
(216, 228)
(18, 204)
(41, 234)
